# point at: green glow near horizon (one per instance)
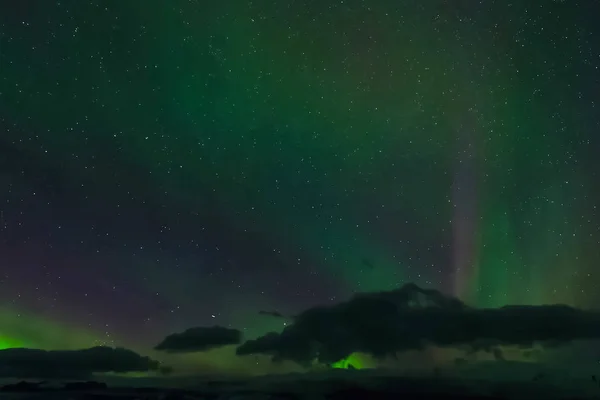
(353, 360)
(9, 343)
(25, 329)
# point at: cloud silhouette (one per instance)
(274, 314)
(34, 363)
(410, 318)
(200, 339)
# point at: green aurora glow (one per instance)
(353, 360)
(321, 138)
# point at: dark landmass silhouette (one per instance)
(22, 386)
(89, 385)
(338, 384)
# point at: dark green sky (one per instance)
(172, 164)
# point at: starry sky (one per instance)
(169, 164)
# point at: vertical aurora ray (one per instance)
(465, 221)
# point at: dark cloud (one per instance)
(34, 363)
(166, 370)
(411, 318)
(274, 314)
(200, 339)
(498, 354)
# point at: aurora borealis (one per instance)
(165, 165)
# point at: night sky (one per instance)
(171, 164)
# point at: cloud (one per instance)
(498, 354)
(200, 339)
(410, 318)
(274, 314)
(34, 363)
